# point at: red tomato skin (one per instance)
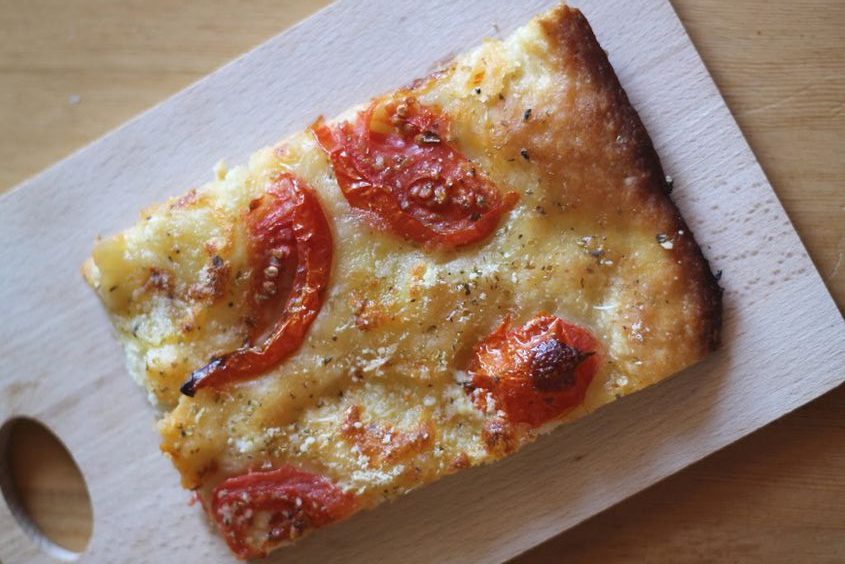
(296, 501)
(507, 365)
(395, 164)
(296, 229)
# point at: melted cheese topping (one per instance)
(373, 398)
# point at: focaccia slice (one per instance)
(421, 285)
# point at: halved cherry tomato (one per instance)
(259, 510)
(395, 163)
(535, 372)
(291, 254)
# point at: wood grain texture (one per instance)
(786, 91)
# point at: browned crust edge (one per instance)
(569, 32)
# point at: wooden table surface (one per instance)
(70, 71)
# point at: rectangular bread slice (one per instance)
(330, 363)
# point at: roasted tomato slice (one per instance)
(291, 255)
(395, 163)
(536, 372)
(257, 511)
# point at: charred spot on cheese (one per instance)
(553, 365)
(396, 164)
(291, 250)
(460, 462)
(260, 510)
(159, 280)
(212, 281)
(499, 437)
(383, 442)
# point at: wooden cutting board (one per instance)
(62, 366)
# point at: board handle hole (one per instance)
(44, 489)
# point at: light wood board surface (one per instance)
(774, 495)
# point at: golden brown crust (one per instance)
(612, 137)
